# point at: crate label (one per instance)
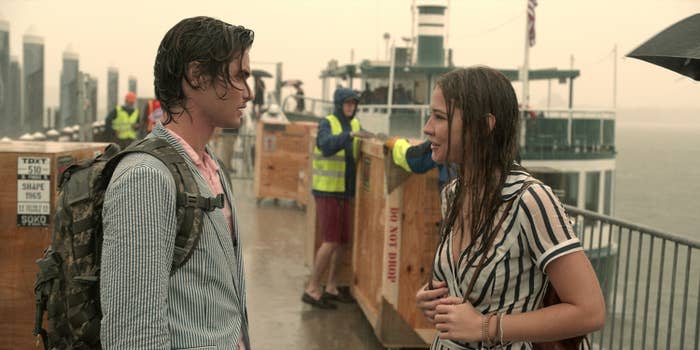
(392, 249)
(269, 143)
(33, 191)
(393, 246)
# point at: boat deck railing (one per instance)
(650, 280)
(568, 134)
(547, 134)
(241, 144)
(311, 107)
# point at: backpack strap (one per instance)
(480, 266)
(190, 204)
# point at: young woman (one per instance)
(503, 231)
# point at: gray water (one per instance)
(658, 169)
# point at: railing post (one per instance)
(658, 295)
(636, 289)
(648, 289)
(624, 287)
(617, 278)
(684, 309)
(670, 303)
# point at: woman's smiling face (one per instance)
(437, 129)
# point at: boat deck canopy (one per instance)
(367, 69)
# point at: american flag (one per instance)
(531, 4)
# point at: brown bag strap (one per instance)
(479, 267)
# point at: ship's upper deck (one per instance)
(554, 134)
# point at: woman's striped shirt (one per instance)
(535, 232)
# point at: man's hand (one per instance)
(362, 134)
(381, 136)
(389, 143)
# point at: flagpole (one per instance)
(615, 77)
(526, 60)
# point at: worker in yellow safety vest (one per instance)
(333, 187)
(122, 123)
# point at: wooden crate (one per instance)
(396, 234)
(23, 245)
(313, 237)
(281, 160)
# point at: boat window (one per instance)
(592, 190)
(375, 91)
(607, 204)
(564, 185)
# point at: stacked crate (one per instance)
(29, 172)
(281, 160)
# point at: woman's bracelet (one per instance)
(499, 323)
(485, 328)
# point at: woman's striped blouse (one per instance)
(535, 232)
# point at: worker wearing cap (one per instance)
(122, 123)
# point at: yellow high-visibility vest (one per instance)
(123, 124)
(329, 172)
(399, 151)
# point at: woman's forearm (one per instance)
(555, 322)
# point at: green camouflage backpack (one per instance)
(67, 286)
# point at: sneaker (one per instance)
(321, 303)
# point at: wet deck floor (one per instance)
(273, 238)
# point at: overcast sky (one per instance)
(305, 34)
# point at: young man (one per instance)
(200, 72)
(333, 185)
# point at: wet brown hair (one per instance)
(210, 42)
(487, 155)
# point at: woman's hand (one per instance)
(458, 321)
(428, 299)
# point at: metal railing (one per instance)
(243, 160)
(399, 120)
(236, 149)
(578, 113)
(568, 134)
(311, 105)
(547, 134)
(650, 280)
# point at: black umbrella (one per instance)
(677, 48)
(261, 73)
